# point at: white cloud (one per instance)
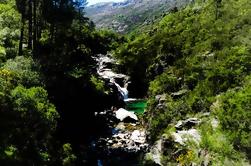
(91, 2)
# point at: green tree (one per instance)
(9, 30)
(28, 120)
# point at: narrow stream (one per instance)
(124, 141)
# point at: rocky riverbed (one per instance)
(124, 140)
(123, 137)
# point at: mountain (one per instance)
(124, 17)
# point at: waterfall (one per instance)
(124, 138)
(123, 91)
(107, 73)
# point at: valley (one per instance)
(131, 83)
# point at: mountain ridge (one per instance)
(124, 17)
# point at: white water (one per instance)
(123, 91)
(107, 73)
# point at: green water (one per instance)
(137, 106)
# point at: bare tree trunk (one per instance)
(52, 31)
(39, 27)
(30, 25)
(34, 26)
(20, 50)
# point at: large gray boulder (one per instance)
(123, 114)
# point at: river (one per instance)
(123, 141)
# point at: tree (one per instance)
(22, 9)
(35, 121)
(9, 30)
(26, 71)
(28, 120)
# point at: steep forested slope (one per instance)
(48, 81)
(128, 16)
(196, 62)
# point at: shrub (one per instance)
(25, 70)
(235, 114)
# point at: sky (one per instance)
(91, 2)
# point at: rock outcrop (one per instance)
(170, 144)
(183, 136)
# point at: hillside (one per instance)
(194, 66)
(124, 17)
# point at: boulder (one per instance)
(123, 114)
(183, 136)
(189, 123)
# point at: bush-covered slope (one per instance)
(130, 15)
(197, 63)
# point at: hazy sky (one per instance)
(91, 2)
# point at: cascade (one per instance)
(124, 140)
(105, 72)
(123, 91)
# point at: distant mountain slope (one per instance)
(123, 17)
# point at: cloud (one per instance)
(91, 2)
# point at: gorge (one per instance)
(124, 141)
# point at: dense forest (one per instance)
(193, 66)
(48, 80)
